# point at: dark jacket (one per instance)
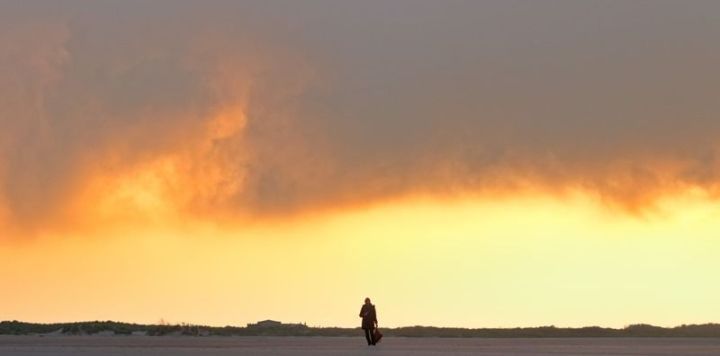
(369, 318)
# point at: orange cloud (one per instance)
(111, 117)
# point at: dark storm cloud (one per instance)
(349, 102)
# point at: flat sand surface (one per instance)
(169, 345)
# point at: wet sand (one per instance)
(167, 345)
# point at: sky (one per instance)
(462, 163)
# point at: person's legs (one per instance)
(368, 336)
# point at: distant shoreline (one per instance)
(271, 328)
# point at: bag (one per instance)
(377, 335)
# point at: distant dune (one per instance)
(273, 328)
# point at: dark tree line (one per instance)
(95, 327)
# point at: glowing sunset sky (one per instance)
(463, 163)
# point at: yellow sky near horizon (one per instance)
(525, 260)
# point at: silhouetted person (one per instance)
(369, 321)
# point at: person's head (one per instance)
(367, 300)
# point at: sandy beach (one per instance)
(138, 345)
